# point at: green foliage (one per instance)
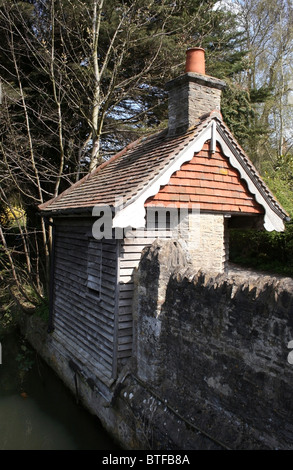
(237, 112)
(6, 315)
(141, 45)
(278, 175)
(267, 251)
(42, 310)
(282, 190)
(227, 59)
(260, 95)
(25, 357)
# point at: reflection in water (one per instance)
(37, 412)
(24, 426)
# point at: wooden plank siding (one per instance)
(84, 317)
(93, 303)
(130, 254)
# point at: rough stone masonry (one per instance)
(216, 348)
(210, 365)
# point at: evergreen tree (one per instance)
(80, 79)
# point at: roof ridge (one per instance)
(130, 171)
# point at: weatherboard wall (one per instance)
(85, 280)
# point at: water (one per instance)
(37, 411)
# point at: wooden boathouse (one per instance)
(191, 182)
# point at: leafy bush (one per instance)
(42, 310)
(268, 251)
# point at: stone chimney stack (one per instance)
(193, 94)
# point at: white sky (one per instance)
(228, 5)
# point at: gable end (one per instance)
(259, 197)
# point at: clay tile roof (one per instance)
(128, 172)
(125, 174)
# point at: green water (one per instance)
(37, 412)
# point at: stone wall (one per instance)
(216, 350)
(206, 242)
(191, 96)
(210, 365)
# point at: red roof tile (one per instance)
(210, 181)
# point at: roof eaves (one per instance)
(250, 169)
(69, 211)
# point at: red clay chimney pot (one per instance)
(195, 60)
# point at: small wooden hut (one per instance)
(191, 182)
